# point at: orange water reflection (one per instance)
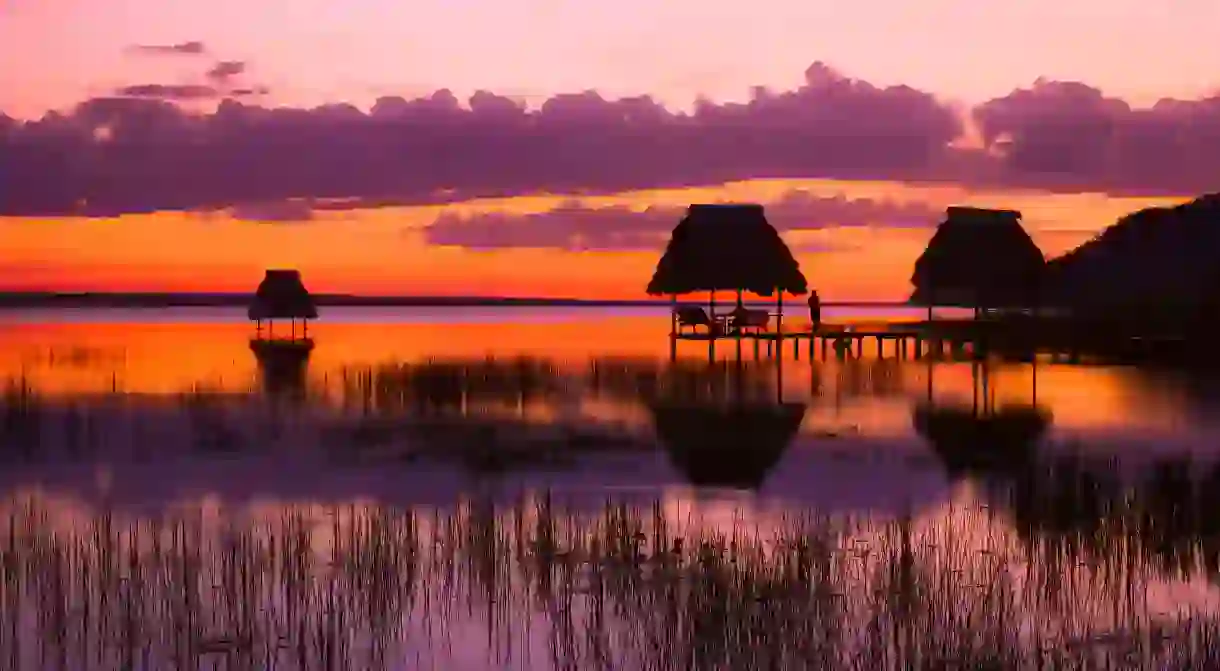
(164, 358)
(962, 526)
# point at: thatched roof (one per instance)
(726, 446)
(979, 258)
(726, 247)
(282, 295)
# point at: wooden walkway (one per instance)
(899, 339)
(937, 339)
(902, 339)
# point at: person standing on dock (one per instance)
(815, 311)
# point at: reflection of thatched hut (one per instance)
(282, 365)
(731, 446)
(282, 295)
(968, 441)
(720, 423)
(726, 248)
(979, 258)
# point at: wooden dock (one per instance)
(902, 340)
(938, 339)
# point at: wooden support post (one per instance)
(779, 313)
(930, 369)
(673, 315)
(974, 384)
(779, 376)
(1035, 380)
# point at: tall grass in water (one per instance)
(538, 586)
(21, 412)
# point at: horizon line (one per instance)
(19, 299)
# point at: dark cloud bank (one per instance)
(573, 227)
(192, 48)
(139, 152)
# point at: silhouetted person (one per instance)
(815, 309)
(739, 313)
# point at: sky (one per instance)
(547, 147)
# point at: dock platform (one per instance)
(938, 339)
(901, 339)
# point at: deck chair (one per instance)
(750, 320)
(694, 317)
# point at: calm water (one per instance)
(511, 488)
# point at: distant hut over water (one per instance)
(979, 258)
(282, 295)
(727, 247)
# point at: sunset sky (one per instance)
(488, 150)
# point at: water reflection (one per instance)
(342, 506)
(282, 366)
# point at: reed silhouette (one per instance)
(370, 587)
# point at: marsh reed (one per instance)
(537, 585)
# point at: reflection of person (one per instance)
(815, 309)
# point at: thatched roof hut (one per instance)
(282, 295)
(726, 247)
(979, 258)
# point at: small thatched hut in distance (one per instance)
(979, 258)
(282, 295)
(726, 247)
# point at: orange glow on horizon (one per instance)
(381, 251)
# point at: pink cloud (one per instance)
(155, 156)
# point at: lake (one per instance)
(544, 488)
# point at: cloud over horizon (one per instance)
(574, 227)
(192, 48)
(223, 71)
(142, 153)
